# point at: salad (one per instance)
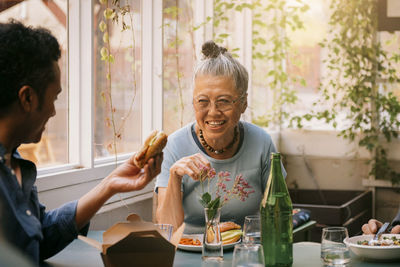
(385, 241)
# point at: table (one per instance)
(80, 254)
(303, 232)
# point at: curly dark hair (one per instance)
(26, 58)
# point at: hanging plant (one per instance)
(179, 20)
(272, 20)
(121, 15)
(355, 93)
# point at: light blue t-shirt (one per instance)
(252, 161)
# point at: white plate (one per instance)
(373, 252)
(200, 238)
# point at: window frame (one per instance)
(72, 180)
(66, 182)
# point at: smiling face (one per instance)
(217, 125)
(42, 113)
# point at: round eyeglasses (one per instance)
(221, 104)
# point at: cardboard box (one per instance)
(136, 243)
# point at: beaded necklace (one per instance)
(218, 151)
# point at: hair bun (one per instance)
(211, 50)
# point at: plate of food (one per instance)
(387, 248)
(230, 234)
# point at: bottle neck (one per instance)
(276, 182)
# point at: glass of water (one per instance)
(251, 230)
(333, 250)
(249, 255)
(165, 230)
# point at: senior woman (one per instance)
(216, 139)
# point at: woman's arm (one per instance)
(170, 206)
(169, 197)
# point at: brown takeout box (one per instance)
(136, 243)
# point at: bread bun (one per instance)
(226, 226)
(153, 145)
(230, 232)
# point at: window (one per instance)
(186, 25)
(151, 77)
(53, 148)
(119, 114)
(179, 57)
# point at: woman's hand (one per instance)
(191, 166)
(128, 177)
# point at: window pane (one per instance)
(303, 61)
(306, 58)
(53, 148)
(178, 62)
(390, 42)
(119, 115)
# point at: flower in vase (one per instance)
(239, 190)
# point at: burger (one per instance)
(230, 232)
(153, 145)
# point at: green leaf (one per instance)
(105, 37)
(111, 59)
(206, 197)
(109, 13)
(102, 26)
(104, 53)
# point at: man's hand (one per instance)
(373, 225)
(128, 177)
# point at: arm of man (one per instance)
(60, 226)
(127, 177)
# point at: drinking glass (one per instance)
(248, 255)
(165, 230)
(251, 230)
(333, 250)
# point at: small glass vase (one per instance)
(212, 242)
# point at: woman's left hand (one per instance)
(128, 177)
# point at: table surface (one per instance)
(79, 253)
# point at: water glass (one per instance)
(333, 250)
(248, 255)
(165, 230)
(251, 230)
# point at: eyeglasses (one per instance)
(222, 104)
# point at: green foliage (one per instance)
(116, 13)
(221, 21)
(359, 72)
(175, 12)
(271, 21)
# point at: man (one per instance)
(29, 85)
(373, 225)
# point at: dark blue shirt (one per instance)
(24, 221)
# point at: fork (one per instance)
(378, 234)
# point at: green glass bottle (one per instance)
(276, 218)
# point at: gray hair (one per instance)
(218, 62)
